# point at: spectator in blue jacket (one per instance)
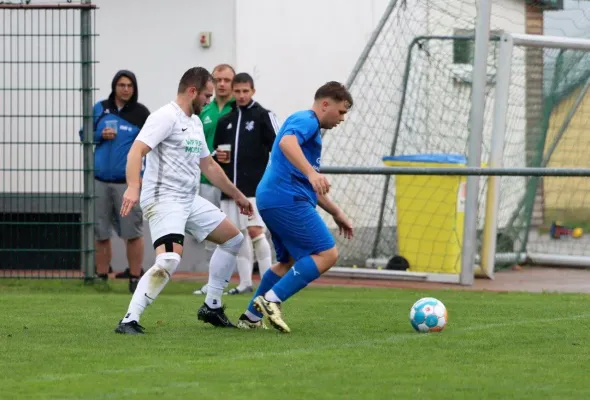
(117, 122)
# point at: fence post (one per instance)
(87, 247)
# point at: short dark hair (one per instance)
(197, 77)
(335, 91)
(221, 67)
(243, 77)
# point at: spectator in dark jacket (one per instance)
(117, 122)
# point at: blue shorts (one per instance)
(297, 231)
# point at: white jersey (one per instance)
(178, 144)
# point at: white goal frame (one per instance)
(502, 91)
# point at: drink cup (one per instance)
(227, 149)
(112, 125)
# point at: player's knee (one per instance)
(329, 257)
(256, 233)
(233, 245)
(168, 262)
(282, 268)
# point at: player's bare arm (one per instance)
(344, 225)
(292, 151)
(133, 176)
(217, 177)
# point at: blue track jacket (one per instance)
(110, 156)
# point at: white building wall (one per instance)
(290, 48)
(293, 47)
(162, 43)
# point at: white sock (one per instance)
(223, 263)
(244, 263)
(252, 317)
(272, 296)
(262, 251)
(151, 284)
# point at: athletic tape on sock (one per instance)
(168, 262)
(259, 237)
(233, 245)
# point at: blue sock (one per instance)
(269, 279)
(299, 276)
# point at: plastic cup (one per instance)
(225, 148)
(112, 125)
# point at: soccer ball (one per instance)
(428, 315)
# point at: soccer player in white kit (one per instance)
(173, 142)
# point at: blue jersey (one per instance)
(283, 184)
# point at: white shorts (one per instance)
(198, 218)
(210, 193)
(241, 221)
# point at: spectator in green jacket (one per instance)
(223, 74)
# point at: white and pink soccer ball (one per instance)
(428, 315)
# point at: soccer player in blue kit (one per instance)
(287, 197)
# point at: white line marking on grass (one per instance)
(304, 350)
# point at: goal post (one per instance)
(490, 255)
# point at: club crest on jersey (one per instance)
(317, 166)
(249, 125)
(193, 146)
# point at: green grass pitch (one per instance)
(57, 342)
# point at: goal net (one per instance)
(547, 222)
(412, 91)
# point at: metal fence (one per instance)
(46, 150)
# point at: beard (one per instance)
(196, 107)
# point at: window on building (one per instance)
(464, 49)
(464, 54)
